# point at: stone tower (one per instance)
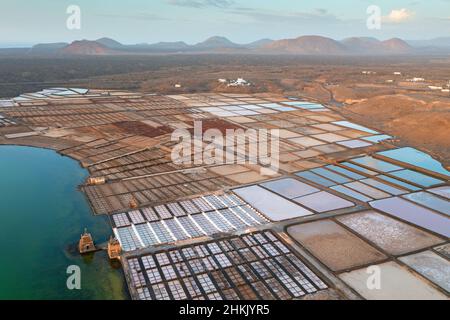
(86, 243)
(133, 203)
(114, 248)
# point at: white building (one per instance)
(416, 79)
(239, 82)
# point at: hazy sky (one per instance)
(137, 21)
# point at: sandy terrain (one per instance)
(411, 111)
(424, 124)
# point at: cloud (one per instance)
(201, 3)
(317, 16)
(399, 15)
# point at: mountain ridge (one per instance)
(303, 45)
(85, 47)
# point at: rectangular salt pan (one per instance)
(367, 190)
(345, 172)
(353, 144)
(397, 284)
(376, 164)
(351, 193)
(334, 245)
(274, 207)
(377, 138)
(417, 158)
(80, 90)
(417, 178)
(128, 239)
(281, 108)
(136, 217)
(223, 113)
(147, 236)
(415, 214)
(392, 235)
(297, 102)
(205, 224)
(384, 187)
(311, 106)
(308, 175)
(121, 220)
(441, 191)
(290, 188)
(428, 200)
(221, 272)
(219, 221)
(190, 227)
(323, 201)
(355, 126)
(431, 266)
(175, 229)
(306, 141)
(358, 168)
(234, 219)
(330, 175)
(399, 183)
(330, 137)
(162, 232)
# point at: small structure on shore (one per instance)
(133, 203)
(86, 243)
(96, 181)
(114, 248)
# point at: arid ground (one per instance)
(411, 111)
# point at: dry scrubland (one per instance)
(420, 121)
(415, 114)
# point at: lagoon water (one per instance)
(42, 215)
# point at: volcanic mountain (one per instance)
(177, 45)
(110, 43)
(85, 47)
(306, 45)
(317, 45)
(258, 44)
(365, 45)
(361, 44)
(216, 43)
(47, 48)
(396, 45)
